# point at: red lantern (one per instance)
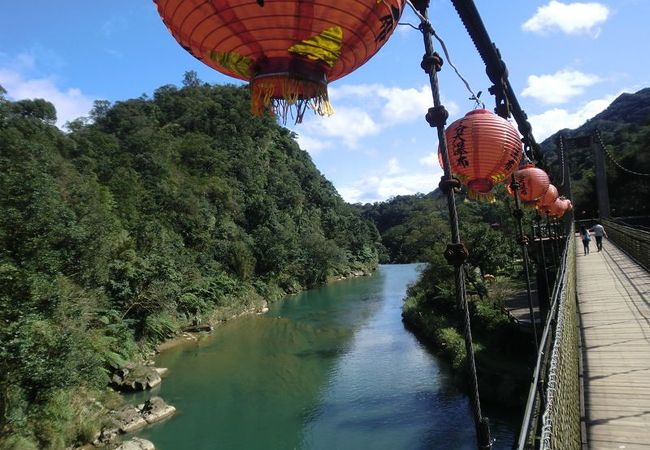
(287, 49)
(484, 149)
(557, 208)
(532, 183)
(547, 199)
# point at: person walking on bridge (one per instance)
(599, 232)
(586, 238)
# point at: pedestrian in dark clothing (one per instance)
(586, 238)
(599, 232)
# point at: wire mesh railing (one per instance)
(552, 414)
(633, 241)
(561, 417)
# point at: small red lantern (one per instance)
(558, 208)
(546, 200)
(288, 50)
(532, 183)
(484, 149)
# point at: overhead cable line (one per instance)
(619, 165)
(497, 71)
(474, 97)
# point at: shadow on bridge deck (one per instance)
(614, 307)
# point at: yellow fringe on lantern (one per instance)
(487, 197)
(498, 178)
(296, 96)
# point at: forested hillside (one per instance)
(141, 218)
(625, 130)
(412, 228)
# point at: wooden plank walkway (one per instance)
(614, 307)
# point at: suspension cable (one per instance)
(474, 97)
(523, 243)
(561, 139)
(619, 165)
(496, 70)
(456, 253)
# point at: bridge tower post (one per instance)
(602, 194)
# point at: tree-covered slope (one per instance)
(625, 130)
(155, 211)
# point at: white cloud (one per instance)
(551, 121)
(364, 110)
(394, 105)
(112, 26)
(348, 124)
(559, 87)
(389, 182)
(570, 18)
(313, 146)
(393, 166)
(70, 104)
(431, 160)
(380, 187)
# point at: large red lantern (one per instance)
(532, 183)
(547, 199)
(484, 149)
(289, 50)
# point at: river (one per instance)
(331, 368)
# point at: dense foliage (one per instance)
(625, 130)
(412, 227)
(151, 212)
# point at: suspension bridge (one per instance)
(591, 386)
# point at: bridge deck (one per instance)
(614, 306)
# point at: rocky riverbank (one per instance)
(129, 419)
(133, 377)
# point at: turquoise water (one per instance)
(332, 368)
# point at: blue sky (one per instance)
(567, 61)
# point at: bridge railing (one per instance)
(552, 414)
(633, 241)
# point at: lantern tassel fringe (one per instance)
(296, 97)
(483, 197)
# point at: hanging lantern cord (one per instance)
(551, 237)
(542, 257)
(503, 110)
(474, 96)
(456, 253)
(523, 243)
(496, 70)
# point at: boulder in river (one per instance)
(135, 378)
(128, 419)
(155, 409)
(136, 444)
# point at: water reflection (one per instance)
(332, 368)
